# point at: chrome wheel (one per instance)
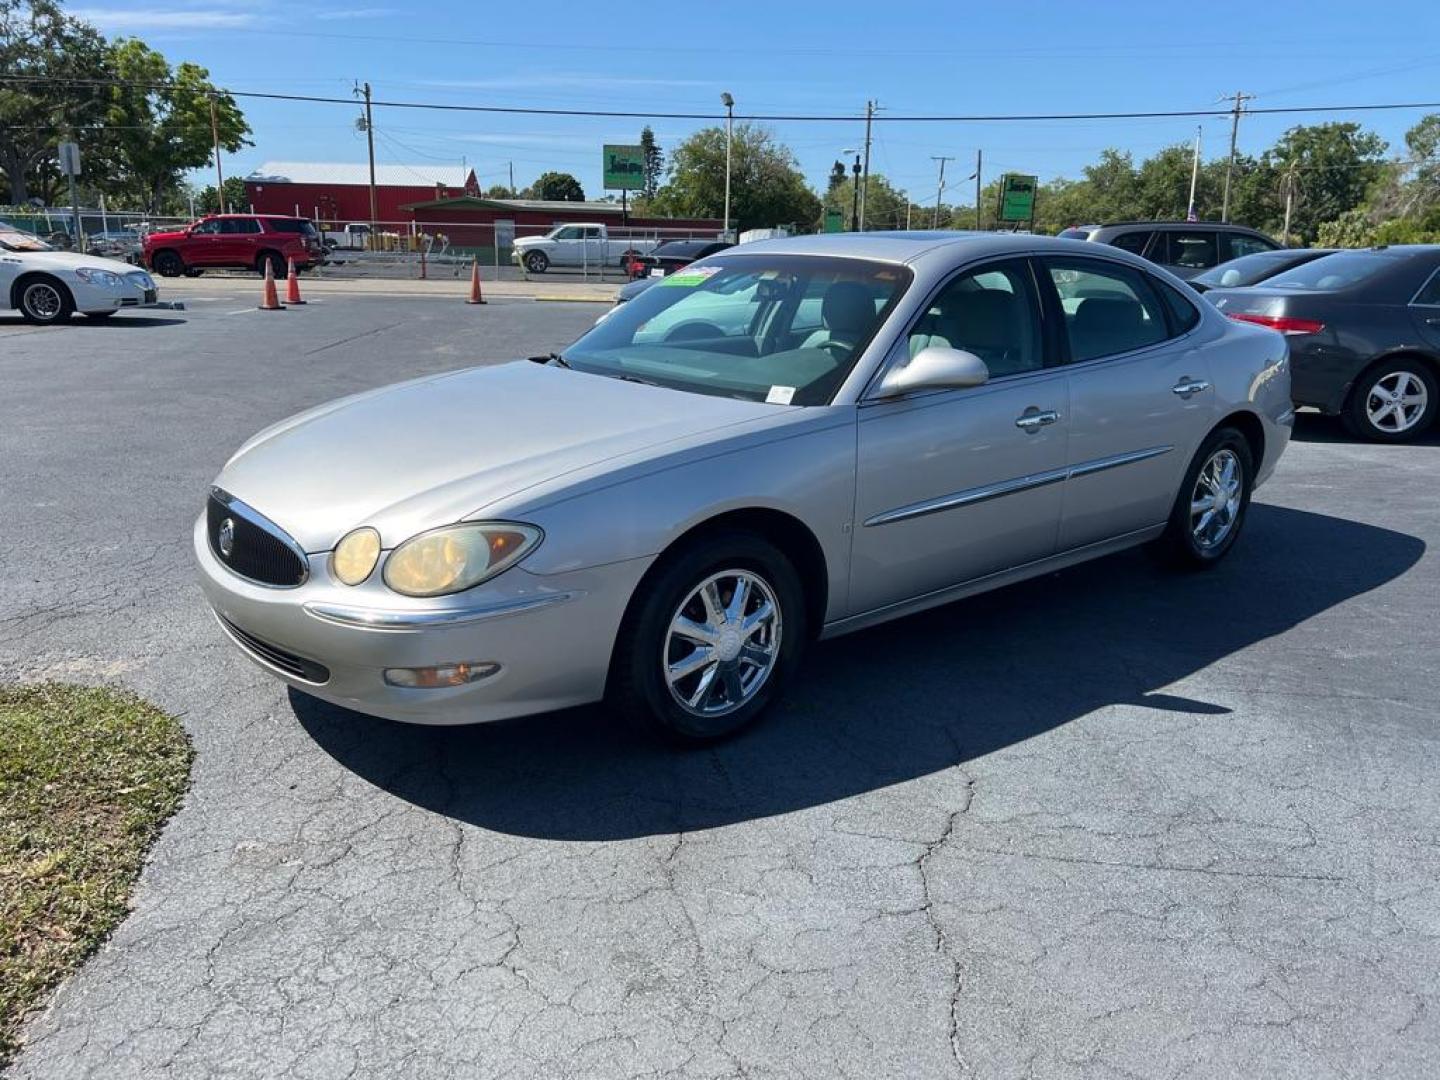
(722, 644)
(42, 301)
(1215, 502)
(1396, 402)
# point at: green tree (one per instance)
(884, 206)
(1423, 142)
(557, 186)
(654, 164)
(1336, 165)
(837, 176)
(767, 187)
(499, 191)
(208, 202)
(37, 38)
(158, 122)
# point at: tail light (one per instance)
(1284, 323)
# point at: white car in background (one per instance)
(47, 285)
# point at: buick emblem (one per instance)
(225, 538)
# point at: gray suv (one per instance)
(1185, 248)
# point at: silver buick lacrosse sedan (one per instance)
(787, 440)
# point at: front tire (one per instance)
(1393, 402)
(711, 640)
(45, 301)
(537, 262)
(1211, 506)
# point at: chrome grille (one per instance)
(252, 545)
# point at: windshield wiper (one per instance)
(631, 378)
(551, 358)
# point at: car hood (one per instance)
(435, 450)
(165, 237)
(69, 260)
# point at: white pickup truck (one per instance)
(576, 244)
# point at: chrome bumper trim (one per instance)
(365, 618)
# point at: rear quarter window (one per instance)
(1184, 316)
(1331, 272)
(291, 225)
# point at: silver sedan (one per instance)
(789, 440)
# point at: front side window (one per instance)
(784, 329)
(208, 227)
(1429, 294)
(1108, 309)
(1134, 242)
(569, 232)
(990, 312)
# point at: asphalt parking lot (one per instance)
(1108, 823)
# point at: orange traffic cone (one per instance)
(292, 285)
(269, 298)
(475, 297)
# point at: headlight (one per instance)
(457, 557)
(92, 276)
(355, 556)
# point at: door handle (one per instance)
(1187, 386)
(1032, 419)
(1433, 320)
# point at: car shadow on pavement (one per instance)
(1314, 427)
(133, 322)
(889, 704)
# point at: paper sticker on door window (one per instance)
(780, 395)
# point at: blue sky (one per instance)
(986, 57)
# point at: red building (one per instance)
(328, 192)
(469, 221)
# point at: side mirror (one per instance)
(935, 368)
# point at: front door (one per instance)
(1140, 396)
(205, 246)
(955, 484)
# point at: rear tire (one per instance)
(1394, 401)
(698, 671)
(1212, 503)
(167, 264)
(277, 264)
(44, 301)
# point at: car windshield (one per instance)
(783, 329)
(1338, 271)
(1248, 269)
(15, 240)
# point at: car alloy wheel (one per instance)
(723, 643)
(44, 302)
(1396, 402)
(1215, 500)
(536, 262)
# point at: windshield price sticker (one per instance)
(780, 395)
(691, 276)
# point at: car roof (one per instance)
(900, 246)
(1202, 226)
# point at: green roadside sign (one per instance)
(624, 168)
(1017, 197)
(834, 221)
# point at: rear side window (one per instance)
(1243, 244)
(232, 226)
(1133, 242)
(1430, 293)
(1109, 309)
(1338, 271)
(291, 225)
(1193, 250)
(1183, 314)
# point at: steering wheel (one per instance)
(840, 349)
(694, 330)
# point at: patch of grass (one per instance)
(87, 779)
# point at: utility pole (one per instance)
(512, 179)
(219, 175)
(1240, 99)
(870, 108)
(370, 141)
(939, 189)
(1288, 184)
(979, 163)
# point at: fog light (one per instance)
(428, 678)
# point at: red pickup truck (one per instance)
(246, 241)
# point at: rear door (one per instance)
(952, 485)
(1140, 397)
(1425, 310)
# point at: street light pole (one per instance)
(370, 140)
(729, 103)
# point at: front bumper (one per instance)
(551, 634)
(91, 299)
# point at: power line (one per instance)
(848, 118)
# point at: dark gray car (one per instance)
(1250, 270)
(1185, 248)
(1364, 330)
